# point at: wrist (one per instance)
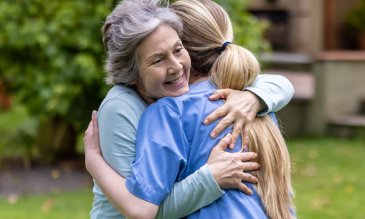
(213, 172)
(259, 104)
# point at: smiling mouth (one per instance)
(176, 81)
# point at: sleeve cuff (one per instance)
(265, 102)
(210, 182)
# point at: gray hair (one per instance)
(124, 29)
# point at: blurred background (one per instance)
(52, 77)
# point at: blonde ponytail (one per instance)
(274, 185)
(235, 68)
(206, 28)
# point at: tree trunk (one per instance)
(56, 140)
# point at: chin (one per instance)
(180, 92)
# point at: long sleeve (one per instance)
(118, 119)
(275, 91)
(194, 192)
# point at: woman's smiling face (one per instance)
(164, 65)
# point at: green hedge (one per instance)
(51, 60)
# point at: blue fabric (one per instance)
(273, 117)
(118, 118)
(172, 142)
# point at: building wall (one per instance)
(340, 89)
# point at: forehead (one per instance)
(162, 39)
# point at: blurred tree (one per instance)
(51, 57)
(248, 30)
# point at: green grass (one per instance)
(328, 177)
(75, 205)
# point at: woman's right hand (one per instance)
(228, 169)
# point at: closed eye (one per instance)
(179, 49)
(156, 61)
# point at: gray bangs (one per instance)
(124, 29)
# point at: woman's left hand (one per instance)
(91, 140)
(239, 109)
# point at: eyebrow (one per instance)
(160, 54)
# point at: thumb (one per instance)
(224, 142)
(94, 119)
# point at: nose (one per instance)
(175, 66)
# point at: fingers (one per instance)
(246, 136)
(94, 119)
(224, 142)
(247, 177)
(88, 131)
(244, 188)
(220, 94)
(250, 166)
(216, 114)
(246, 156)
(237, 128)
(94, 115)
(224, 123)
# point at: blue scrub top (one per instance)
(173, 142)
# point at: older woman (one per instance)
(147, 61)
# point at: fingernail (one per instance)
(228, 135)
(206, 121)
(245, 148)
(212, 134)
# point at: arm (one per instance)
(268, 93)
(194, 192)
(274, 91)
(111, 183)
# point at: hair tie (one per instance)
(225, 44)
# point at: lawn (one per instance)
(328, 177)
(75, 205)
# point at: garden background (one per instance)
(52, 77)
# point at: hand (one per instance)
(228, 169)
(240, 108)
(91, 140)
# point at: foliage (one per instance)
(356, 16)
(18, 132)
(52, 57)
(248, 29)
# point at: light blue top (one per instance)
(177, 146)
(118, 118)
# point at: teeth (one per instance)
(176, 81)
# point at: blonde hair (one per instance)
(206, 28)
(274, 185)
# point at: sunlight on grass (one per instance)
(75, 205)
(328, 177)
